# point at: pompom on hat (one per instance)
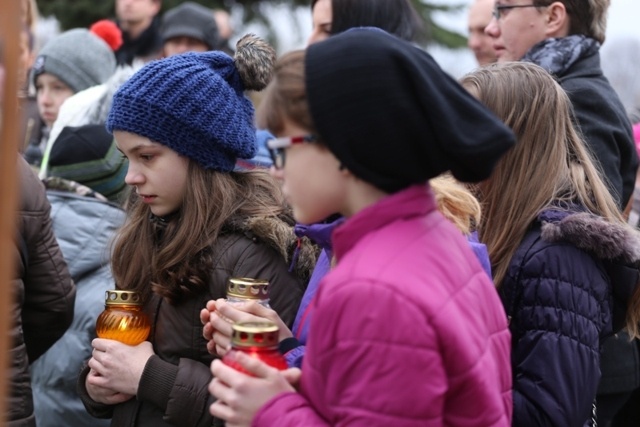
(194, 103)
(109, 32)
(393, 117)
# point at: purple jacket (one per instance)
(407, 330)
(321, 235)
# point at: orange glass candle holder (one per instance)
(123, 319)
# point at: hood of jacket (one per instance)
(615, 245)
(84, 227)
(278, 232)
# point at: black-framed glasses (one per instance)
(499, 8)
(277, 147)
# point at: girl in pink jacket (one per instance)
(407, 329)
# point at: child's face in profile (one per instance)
(313, 181)
(158, 173)
(51, 92)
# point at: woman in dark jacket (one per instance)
(563, 258)
(193, 222)
(43, 298)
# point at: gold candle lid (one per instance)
(254, 334)
(114, 297)
(246, 288)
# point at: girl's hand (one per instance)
(207, 327)
(118, 367)
(103, 394)
(226, 314)
(240, 396)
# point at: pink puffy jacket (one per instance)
(407, 330)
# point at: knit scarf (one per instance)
(557, 55)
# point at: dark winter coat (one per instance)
(604, 124)
(173, 387)
(566, 289)
(43, 295)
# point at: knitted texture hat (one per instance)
(89, 156)
(393, 117)
(262, 159)
(194, 103)
(191, 20)
(78, 57)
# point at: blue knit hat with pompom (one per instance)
(194, 103)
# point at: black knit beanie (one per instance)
(391, 116)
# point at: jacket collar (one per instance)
(617, 248)
(607, 241)
(277, 232)
(320, 233)
(412, 202)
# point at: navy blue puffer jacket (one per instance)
(566, 289)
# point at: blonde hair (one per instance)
(456, 203)
(549, 165)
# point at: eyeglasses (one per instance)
(277, 147)
(498, 9)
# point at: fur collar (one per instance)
(278, 232)
(607, 241)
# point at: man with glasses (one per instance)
(564, 37)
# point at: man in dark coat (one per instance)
(564, 37)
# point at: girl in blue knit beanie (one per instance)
(193, 223)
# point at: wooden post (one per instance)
(10, 19)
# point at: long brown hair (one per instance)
(397, 17)
(550, 164)
(286, 95)
(173, 259)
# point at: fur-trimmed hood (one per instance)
(615, 245)
(607, 241)
(278, 232)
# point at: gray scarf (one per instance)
(557, 55)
